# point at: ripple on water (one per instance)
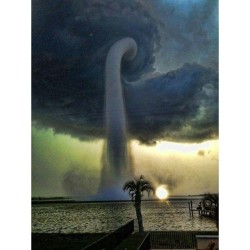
(106, 217)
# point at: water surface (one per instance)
(106, 217)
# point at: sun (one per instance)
(161, 192)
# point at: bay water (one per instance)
(107, 217)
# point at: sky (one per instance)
(170, 93)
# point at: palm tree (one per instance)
(135, 189)
(211, 201)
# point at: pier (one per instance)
(202, 211)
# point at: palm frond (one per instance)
(138, 186)
(131, 192)
(213, 198)
(129, 185)
(148, 188)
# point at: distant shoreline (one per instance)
(66, 200)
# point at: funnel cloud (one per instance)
(116, 165)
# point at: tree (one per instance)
(211, 202)
(135, 189)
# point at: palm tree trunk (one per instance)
(139, 216)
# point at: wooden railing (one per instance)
(146, 243)
(176, 239)
(113, 239)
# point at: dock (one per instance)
(201, 210)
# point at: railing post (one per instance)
(113, 239)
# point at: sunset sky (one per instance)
(170, 93)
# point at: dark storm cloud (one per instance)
(181, 105)
(188, 30)
(70, 41)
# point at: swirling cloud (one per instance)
(181, 105)
(70, 41)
